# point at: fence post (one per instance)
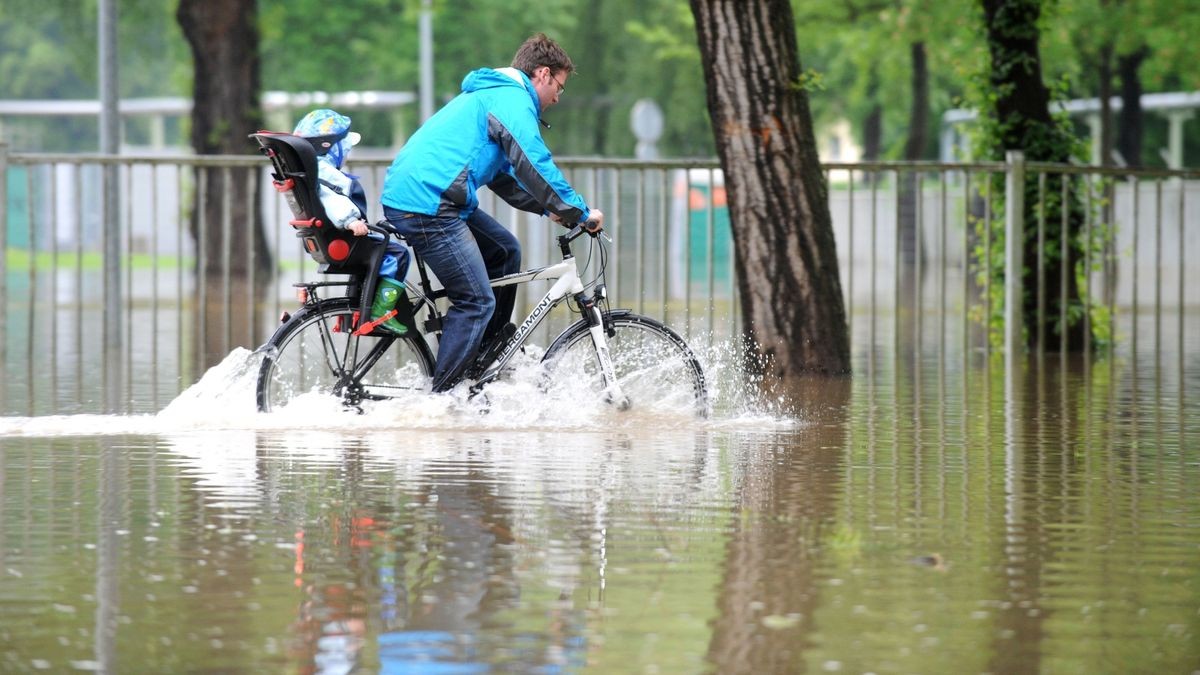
(1014, 240)
(3, 233)
(3, 272)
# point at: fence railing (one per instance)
(910, 240)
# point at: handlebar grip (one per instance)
(383, 227)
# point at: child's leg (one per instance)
(395, 262)
(390, 289)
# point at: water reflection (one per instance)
(786, 512)
(936, 515)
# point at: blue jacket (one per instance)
(488, 135)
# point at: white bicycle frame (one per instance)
(568, 284)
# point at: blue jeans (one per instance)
(463, 255)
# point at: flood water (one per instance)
(927, 515)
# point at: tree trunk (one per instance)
(911, 256)
(226, 223)
(914, 149)
(872, 132)
(918, 113)
(791, 296)
(1104, 70)
(595, 63)
(1130, 121)
(1022, 111)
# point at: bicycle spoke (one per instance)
(313, 354)
(654, 368)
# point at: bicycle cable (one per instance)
(587, 265)
(600, 275)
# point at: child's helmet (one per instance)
(329, 132)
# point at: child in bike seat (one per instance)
(345, 203)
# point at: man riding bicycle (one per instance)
(487, 135)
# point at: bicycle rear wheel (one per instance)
(314, 352)
(654, 366)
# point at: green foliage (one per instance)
(855, 57)
(1044, 208)
(862, 52)
(1042, 138)
(48, 51)
(810, 81)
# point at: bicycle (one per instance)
(631, 360)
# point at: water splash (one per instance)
(225, 399)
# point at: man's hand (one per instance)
(358, 228)
(594, 222)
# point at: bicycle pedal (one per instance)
(489, 353)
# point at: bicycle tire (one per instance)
(308, 353)
(654, 365)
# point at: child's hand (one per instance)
(358, 228)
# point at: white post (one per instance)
(1094, 132)
(158, 132)
(1014, 239)
(425, 38)
(948, 144)
(110, 141)
(1175, 120)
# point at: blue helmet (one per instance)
(329, 132)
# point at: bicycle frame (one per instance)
(567, 284)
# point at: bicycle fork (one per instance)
(612, 388)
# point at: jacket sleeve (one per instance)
(334, 192)
(515, 131)
(510, 190)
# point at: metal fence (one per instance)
(908, 237)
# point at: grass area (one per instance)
(21, 260)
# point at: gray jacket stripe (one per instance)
(538, 186)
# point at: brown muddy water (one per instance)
(931, 514)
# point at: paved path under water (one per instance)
(914, 518)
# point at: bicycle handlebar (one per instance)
(578, 230)
(383, 227)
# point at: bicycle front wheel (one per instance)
(655, 368)
(314, 352)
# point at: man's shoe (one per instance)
(489, 352)
(386, 297)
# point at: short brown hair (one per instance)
(539, 51)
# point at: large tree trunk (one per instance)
(226, 223)
(791, 296)
(1022, 109)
